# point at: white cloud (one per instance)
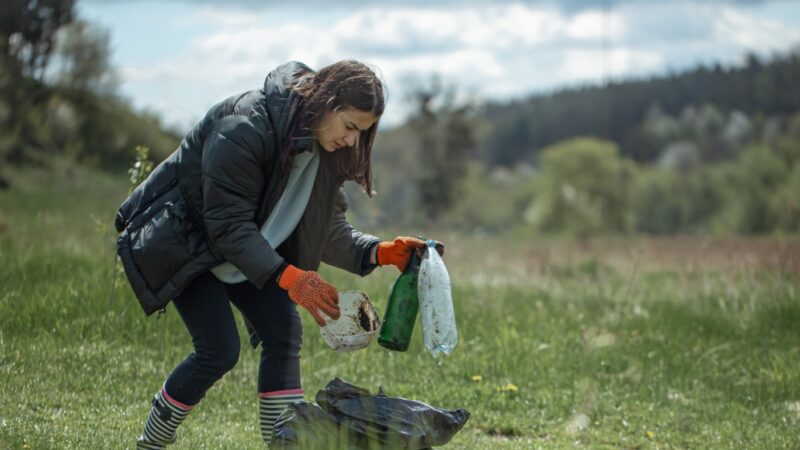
(500, 50)
(753, 34)
(218, 17)
(582, 65)
(595, 25)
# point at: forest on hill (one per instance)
(722, 106)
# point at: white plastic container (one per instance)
(358, 322)
(439, 331)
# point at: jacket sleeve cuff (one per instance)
(279, 271)
(366, 265)
(268, 276)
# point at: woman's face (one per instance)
(339, 129)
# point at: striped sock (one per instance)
(270, 406)
(165, 416)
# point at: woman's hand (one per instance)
(398, 251)
(310, 291)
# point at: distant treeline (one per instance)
(710, 150)
(618, 112)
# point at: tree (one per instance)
(84, 59)
(444, 132)
(27, 35)
(509, 141)
(28, 31)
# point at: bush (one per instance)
(786, 203)
(583, 189)
(491, 201)
(747, 187)
(667, 201)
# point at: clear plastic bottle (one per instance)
(439, 331)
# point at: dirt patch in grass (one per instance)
(506, 432)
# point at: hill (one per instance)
(619, 111)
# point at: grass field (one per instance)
(619, 343)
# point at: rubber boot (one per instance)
(270, 406)
(162, 422)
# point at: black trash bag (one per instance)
(349, 417)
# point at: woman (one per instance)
(243, 212)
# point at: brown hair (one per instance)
(342, 85)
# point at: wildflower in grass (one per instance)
(476, 378)
(509, 388)
(650, 435)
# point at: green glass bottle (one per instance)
(401, 309)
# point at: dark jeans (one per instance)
(205, 309)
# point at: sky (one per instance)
(178, 58)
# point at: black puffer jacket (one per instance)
(205, 204)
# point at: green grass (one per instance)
(610, 346)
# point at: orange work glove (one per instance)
(398, 252)
(310, 291)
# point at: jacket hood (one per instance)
(281, 102)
